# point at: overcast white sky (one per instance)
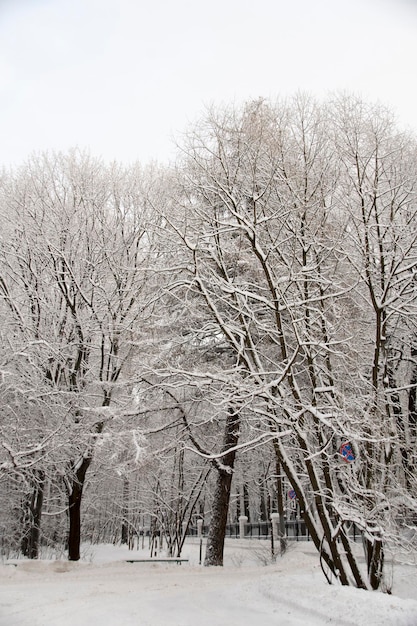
(121, 77)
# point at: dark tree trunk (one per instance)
(221, 496)
(412, 396)
(74, 504)
(246, 510)
(217, 530)
(374, 551)
(125, 521)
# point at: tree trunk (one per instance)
(374, 551)
(221, 496)
(281, 508)
(74, 504)
(412, 396)
(125, 512)
(30, 541)
(246, 507)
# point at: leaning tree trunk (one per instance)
(221, 496)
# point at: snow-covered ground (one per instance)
(104, 590)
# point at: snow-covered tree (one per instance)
(270, 261)
(75, 280)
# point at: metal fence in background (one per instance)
(295, 530)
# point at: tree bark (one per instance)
(74, 504)
(221, 496)
(125, 512)
(30, 541)
(374, 551)
(281, 508)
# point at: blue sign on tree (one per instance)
(347, 452)
(291, 494)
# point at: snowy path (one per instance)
(113, 593)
